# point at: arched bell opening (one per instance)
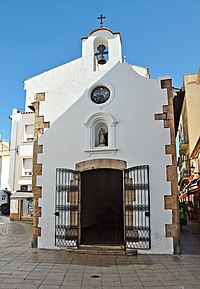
(100, 52)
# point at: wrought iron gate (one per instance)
(67, 208)
(137, 207)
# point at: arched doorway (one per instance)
(102, 207)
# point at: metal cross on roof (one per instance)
(101, 17)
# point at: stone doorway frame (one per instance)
(101, 164)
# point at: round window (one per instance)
(100, 94)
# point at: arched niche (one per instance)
(101, 134)
(94, 125)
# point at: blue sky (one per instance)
(37, 35)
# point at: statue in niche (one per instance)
(102, 137)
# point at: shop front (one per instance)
(21, 206)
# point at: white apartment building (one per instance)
(4, 172)
(20, 177)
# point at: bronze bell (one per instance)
(101, 59)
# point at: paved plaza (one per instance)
(24, 267)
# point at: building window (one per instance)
(101, 94)
(29, 133)
(24, 188)
(27, 164)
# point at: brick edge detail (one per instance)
(171, 201)
(39, 126)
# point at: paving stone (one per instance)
(12, 281)
(76, 287)
(52, 282)
(49, 286)
(24, 286)
(131, 283)
(32, 282)
(9, 286)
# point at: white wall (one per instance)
(4, 172)
(139, 138)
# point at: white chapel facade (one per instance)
(104, 170)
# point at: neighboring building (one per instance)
(189, 143)
(4, 172)
(104, 161)
(4, 165)
(21, 162)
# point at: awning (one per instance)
(183, 196)
(193, 185)
(21, 194)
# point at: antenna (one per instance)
(124, 59)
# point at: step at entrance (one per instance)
(104, 250)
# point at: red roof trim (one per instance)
(183, 196)
(102, 28)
